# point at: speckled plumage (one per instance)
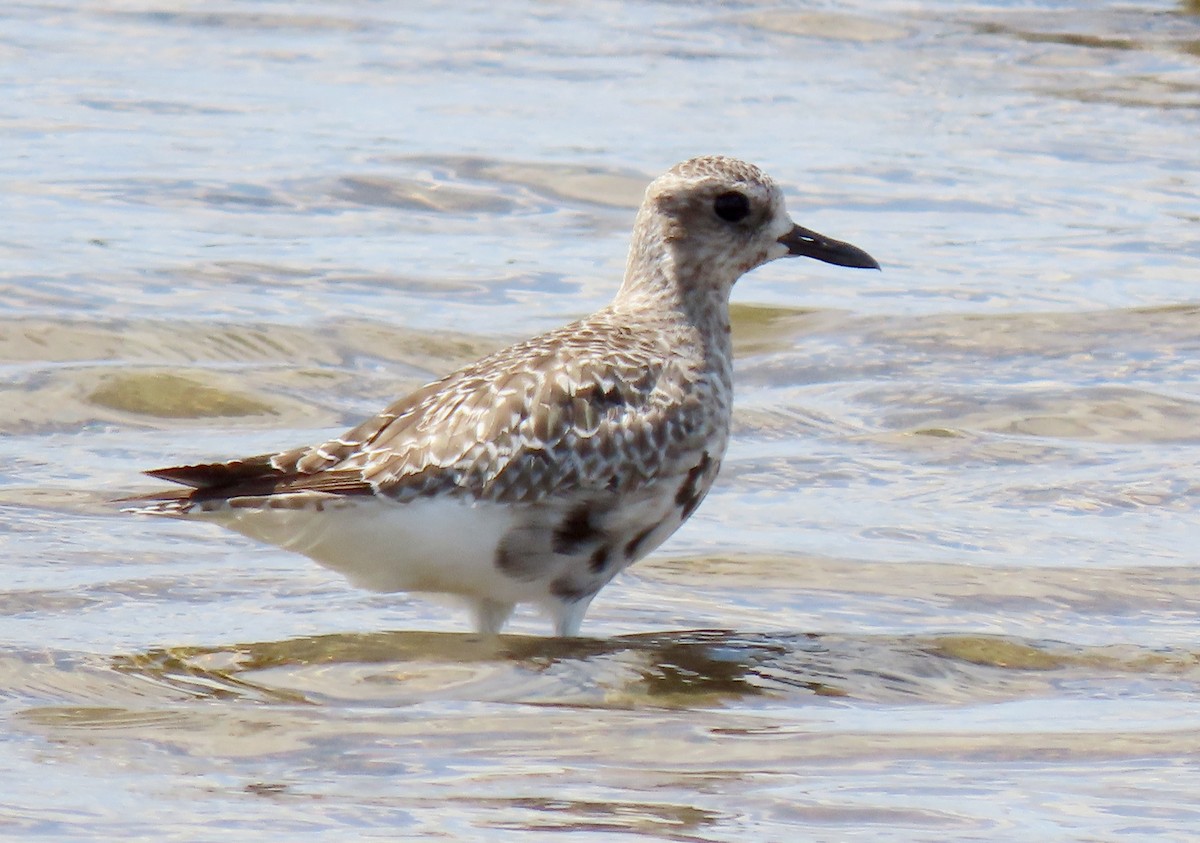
(564, 458)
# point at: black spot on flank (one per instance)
(567, 589)
(505, 561)
(575, 531)
(522, 554)
(599, 559)
(690, 506)
(689, 495)
(634, 545)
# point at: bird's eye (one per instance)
(731, 206)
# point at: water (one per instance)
(945, 587)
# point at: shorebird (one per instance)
(537, 473)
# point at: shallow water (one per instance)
(945, 587)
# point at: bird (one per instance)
(539, 472)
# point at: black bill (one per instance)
(804, 243)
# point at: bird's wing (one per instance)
(578, 408)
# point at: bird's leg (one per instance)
(568, 616)
(491, 615)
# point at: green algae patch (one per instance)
(996, 652)
(939, 433)
(166, 395)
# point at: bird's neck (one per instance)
(660, 286)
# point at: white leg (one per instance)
(568, 617)
(491, 615)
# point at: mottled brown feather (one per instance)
(592, 405)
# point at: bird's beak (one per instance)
(801, 242)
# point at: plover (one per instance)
(538, 473)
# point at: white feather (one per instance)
(432, 545)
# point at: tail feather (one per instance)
(252, 477)
(215, 474)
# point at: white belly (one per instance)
(433, 545)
